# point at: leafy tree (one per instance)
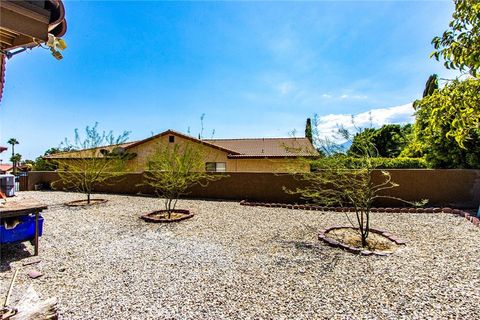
(28, 162)
(448, 120)
(13, 142)
(459, 46)
(447, 127)
(173, 169)
(308, 130)
(361, 138)
(387, 141)
(97, 159)
(349, 183)
(27, 165)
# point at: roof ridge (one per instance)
(296, 138)
(187, 136)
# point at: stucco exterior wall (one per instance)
(145, 150)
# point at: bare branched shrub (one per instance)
(96, 158)
(173, 169)
(336, 181)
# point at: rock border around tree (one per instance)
(84, 203)
(473, 219)
(323, 236)
(150, 216)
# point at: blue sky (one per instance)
(256, 69)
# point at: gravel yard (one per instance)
(238, 262)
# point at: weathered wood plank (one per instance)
(20, 207)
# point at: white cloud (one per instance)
(353, 97)
(345, 96)
(328, 124)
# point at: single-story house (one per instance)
(6, 168)
(221, 155)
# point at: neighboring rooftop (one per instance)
(235, 148)
(266, 147)
(5, 167)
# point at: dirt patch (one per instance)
(162, 216)
(351, 237)
(81, 203)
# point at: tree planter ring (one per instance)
(323, 236)
(156, 216)
(83, 203)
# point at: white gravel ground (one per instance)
(237, 262)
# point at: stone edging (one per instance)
(322, 235)
(465, 214)
(187, 215)
(78, 203)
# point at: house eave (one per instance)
(23, 24)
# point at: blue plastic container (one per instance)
(24, 231)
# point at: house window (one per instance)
(171, 139)
(215, 167)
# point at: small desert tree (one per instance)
(344, 181)
(97, 159)
(173, 169)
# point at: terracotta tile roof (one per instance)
(74, 154)
(267, 147)
(5, 167)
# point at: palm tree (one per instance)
(13, 142)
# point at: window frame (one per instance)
(215, 166)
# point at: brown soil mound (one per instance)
(162, 216)
(375, 242)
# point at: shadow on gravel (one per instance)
(12, 252)
(302, 245)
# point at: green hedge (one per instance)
(379, 163)
(401, 163)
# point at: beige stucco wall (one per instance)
(145, 150)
